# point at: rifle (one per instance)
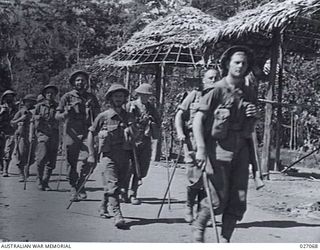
(171, 178)
(256, 169)
(137, 164)
(131, 135)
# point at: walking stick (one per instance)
(83, 183)
(207, 188)
(171, 178)
(297, 161)
(167, 164)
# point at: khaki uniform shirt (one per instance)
(44, 118)
(6, 116)
(110, 127)
(79, 119)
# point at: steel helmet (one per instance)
(75, 74)
(30, 97)
(116, 87)
(49, 86)
(40, 98)
(144, 88)
(7, 92)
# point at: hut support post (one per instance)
(265, 161)
(160, 95)
(277, 164)
(127, 79)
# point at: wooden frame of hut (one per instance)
(275, 27)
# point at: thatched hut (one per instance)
(271, 30)
(165, 41)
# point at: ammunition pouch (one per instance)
(221, 123)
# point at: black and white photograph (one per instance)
(159, 121)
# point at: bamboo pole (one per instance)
(127, 79)
(268, 115)
(295, 127)
(160, 96)
(277, 162)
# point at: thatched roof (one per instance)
(181, 27)
(265, 19)
(166, 40)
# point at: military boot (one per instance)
(1, 166)
(5, 168)
(82, 190)
(124, 196)
(199, 225)
(45, 181)
(21, 175)
(74, 195)
(39, 183)
(191, 196)
(228, 225)
(103, 210)
(117, 215)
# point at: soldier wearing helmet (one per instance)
(46, 130)
(147, 122)
(222, 127)
(8, 108)
(111, 127)
(22, 120)
(183, 122)
(77, 109)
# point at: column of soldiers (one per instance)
(215, 122)
(30, 135)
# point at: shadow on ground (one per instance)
(157, 201)
(276, 224)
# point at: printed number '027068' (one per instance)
(306, 245)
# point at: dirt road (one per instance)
(273, 213)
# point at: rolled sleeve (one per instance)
(62, 103)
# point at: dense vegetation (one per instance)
(41, 41)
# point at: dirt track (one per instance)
(272, 215)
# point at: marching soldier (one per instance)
(111, 126)
(22, 120)
(77, 108)
(183, 121)
(221, 128)
(46, 130)
(7, 111)
(148, 122)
